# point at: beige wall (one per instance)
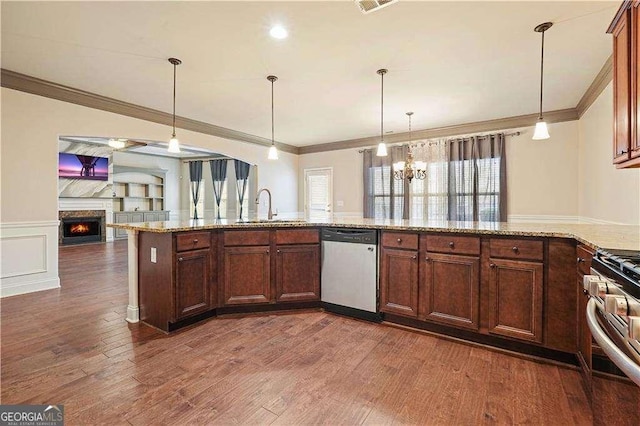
(605, 193)
(347, 178)
(542, 175)
(29, 149)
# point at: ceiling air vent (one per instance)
(368, 6)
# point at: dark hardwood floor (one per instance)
(72, 346)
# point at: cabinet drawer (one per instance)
(246, 238)
(452, 244)
(400, 240)
(297, 236)
(192, 241)
(584, 259)
(516, 249)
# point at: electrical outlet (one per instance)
(340, 203)
(154, 258)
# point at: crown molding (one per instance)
(24, 83)
(599, 83)
(557, 116)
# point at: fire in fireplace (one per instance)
(81, 230)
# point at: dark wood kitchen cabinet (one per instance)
(270, 266)
(583, 261)
(450, 285)
(192, 283)
(516, 289)
(297, 265)
(246, 267)
(176, 277)
(399, 274)
(625, 29)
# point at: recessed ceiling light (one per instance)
(278, 32)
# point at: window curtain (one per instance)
(195, 176)
(477, 179)
(242, 177)
(430, 197)
(384, 196)
(219, 176)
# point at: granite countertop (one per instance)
(596, 236)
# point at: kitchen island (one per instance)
(513, 282)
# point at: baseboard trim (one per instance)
(591, 220)
(29, 287)
(523, 218)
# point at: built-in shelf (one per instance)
(138, 196)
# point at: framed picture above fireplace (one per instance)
(75, 166)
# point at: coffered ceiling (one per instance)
(450, 62)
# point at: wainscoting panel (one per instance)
(29, 252)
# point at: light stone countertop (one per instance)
(596, 236)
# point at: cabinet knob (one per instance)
(267, 251)
(399, 240)
(180, 259)
(580, 260)
(414, 257)
(585, 292)
(492, 265)
(622, 151)
(427, 258)
(515, 249)
(195, 241)
(451, 245)
(278, 251)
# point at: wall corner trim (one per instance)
(597, 86)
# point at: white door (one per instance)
(318, 191)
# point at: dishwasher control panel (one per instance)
(350, 235)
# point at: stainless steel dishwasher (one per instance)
(350, 272)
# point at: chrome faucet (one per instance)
(270, 214)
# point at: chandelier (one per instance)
(410, 169)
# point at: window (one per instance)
(318, 186)
(466, 181)
(200, 205)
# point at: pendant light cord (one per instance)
(382, 107)
(174, 100)
(272, 138)
(541, 74)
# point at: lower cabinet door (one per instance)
(192, 283)
(515, 299)
(247, 276)
(452, 287)
(298, 273)
(399, 282)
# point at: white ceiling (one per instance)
(449, 62)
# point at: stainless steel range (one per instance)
(613, 316)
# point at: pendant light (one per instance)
(382, 147)
(273, 151)
(174, 144)
(411, 169)
(541, 131)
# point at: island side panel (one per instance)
(561, 297)
(155, 279)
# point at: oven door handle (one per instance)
(619, 358)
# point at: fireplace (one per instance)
(82, 226)
(82, 230)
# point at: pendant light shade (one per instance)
(273, 151)
(541, 131)
(382, 147)
(174, 144)
(117, 143)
